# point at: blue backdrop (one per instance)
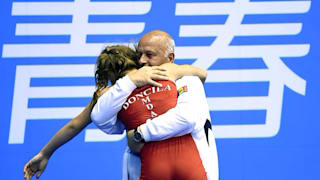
(262, 86)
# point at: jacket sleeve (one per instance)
(104, 113)
(186, 117)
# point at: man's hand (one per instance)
(36, 165)
(148, 75)
(133, 145)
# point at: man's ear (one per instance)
(171, 57)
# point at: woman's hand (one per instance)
(178, 71)
(102, 91)
(148, 75)
(35, 166)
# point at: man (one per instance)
(157, 47)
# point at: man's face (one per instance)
(153, 51)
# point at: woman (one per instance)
(113, 63)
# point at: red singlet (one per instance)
(172, 159)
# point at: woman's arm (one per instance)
(39, 162)
(177, 71)
(70, 130)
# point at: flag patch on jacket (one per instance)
(182, 90)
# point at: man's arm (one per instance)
(187, 116)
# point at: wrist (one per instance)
(137, 135)
(45, 154)
(134, 78)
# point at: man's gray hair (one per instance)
(170, 46)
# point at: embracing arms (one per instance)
(104, 113)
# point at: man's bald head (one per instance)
(161, 36)
(158, 42)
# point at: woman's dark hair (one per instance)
(112, 64)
